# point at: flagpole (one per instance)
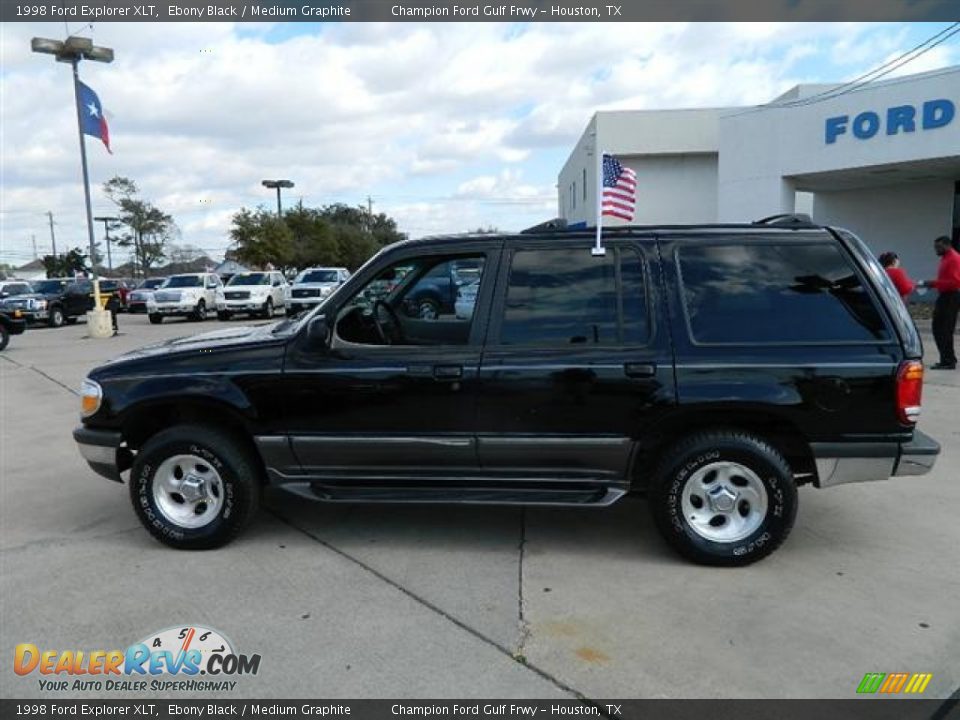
(86, 183)
(598, 248)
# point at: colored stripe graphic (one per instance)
(918, 683)
(870, 683)
(894, 683)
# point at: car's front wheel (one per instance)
(268, 308)
(56, 318)
(4, 337)
(200, 312)
(194, 488)
(155, 318)
(223, 315)
(724, 498)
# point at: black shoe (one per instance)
(944, 366)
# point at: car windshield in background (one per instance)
(184, 281)
(151, 284)
(49, 286)
(319, 276)
(251, 279)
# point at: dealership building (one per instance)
(882, 160)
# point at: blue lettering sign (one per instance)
(899, 119)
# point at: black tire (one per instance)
(428, 309)
(223, 315)
(268, 308)
(56, 318)
(4, 337)
(704, 451)
(155, 319)
(238, 471)
(200, 312)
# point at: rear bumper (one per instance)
(103, 452)
(842, 463)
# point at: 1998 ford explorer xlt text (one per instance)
(713, 368)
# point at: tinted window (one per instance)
(563, 297)
(182, 281)
(249, 279)
(775, 294)
(319, 276)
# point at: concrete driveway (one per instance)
(444, 602)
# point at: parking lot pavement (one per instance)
(366, 601)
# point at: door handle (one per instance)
(448, 372)
(640, 370)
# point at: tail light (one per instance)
(909, 390)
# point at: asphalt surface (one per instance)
(459, 602)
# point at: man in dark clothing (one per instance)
(947, 306)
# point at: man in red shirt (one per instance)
(945, 311)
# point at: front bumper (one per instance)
(171, 308)
(241, 306)
(842, 463)
(103, 451)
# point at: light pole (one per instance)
(106, 229)
(72, 50)
(278, 184)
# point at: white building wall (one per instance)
(902, 218)
(672, 190)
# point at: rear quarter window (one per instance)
(771, 293)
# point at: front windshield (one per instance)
(49, 286)
(183, 281)
(151, 284)
(250, 279)
(318, 276)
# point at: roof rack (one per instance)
(791, 220)
(548, 226)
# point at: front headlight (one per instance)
(91, 395)
(38, 304)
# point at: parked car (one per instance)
(12, 288)
(56, 301)
(713, 369)
(252, 293)
(435, 293)
(189, 295)
(314, 285)
(139, 297)
(10, 324)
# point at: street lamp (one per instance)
(73, 50)
(278, 184)
(106, 229)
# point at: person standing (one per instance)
(947, 306)
(901, 281)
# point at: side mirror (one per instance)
(318, 332)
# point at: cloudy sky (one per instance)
(447, 127)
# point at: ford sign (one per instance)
(902, 118)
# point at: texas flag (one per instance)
(91, 116)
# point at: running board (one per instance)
(596, 496)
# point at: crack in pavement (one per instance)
(556, 682)
(522, 623)
(66, 539)
(41, 373)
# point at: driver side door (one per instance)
(399, 410)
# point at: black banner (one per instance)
(446, 11)
(861, 709)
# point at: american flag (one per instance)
(619, 189)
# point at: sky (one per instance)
(446, 127)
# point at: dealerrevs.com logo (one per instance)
(170, 660)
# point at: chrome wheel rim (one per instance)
(724, 502)
(428, 311)
(187, 491)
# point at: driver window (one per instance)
(421, 301)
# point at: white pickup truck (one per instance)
(189, 295)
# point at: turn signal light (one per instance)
(90, 398)
(909, 390)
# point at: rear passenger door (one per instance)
(576, 364)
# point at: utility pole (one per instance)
(53, 237)
(106, 229)
(369, 213)
(33, 239)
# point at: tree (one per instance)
(262, 239)
(149, 227)
(67, 265)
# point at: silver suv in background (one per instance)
(137, 300)
(314, 285)
(252, 293)
(189, 295)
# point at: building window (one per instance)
(573, 194)
(584, 186)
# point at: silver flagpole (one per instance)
(598, 248)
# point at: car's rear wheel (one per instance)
(4, 337)
(156, 318)
(56, 317)
(724, 498)
(194, 488)
(428, 309)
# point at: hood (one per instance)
(30, 296)
(205, 342)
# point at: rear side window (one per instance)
(568, 297)
(774, 294)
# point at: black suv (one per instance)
(713, 368)
(55, 301)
